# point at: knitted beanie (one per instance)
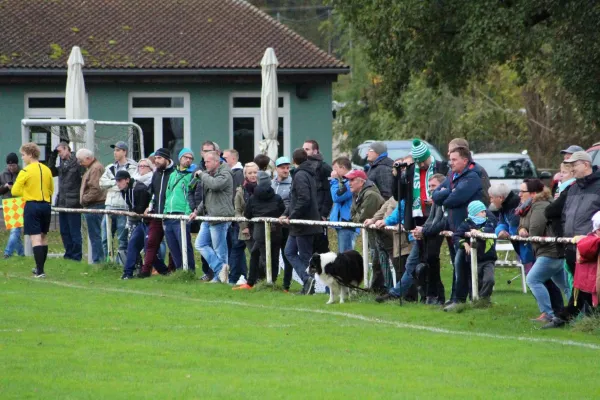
(12, 158)
(378, 147)
(475, 207)
(420, 151)
(162, 152)
(184, 151)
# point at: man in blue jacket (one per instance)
(342, 203)
(462, 186)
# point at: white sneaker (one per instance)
(241, 281)
(224, 273)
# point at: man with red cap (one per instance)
(367, 201)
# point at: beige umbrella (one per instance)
(269, 104)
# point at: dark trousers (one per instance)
(173, 234)
(321, 243)
(237, 254)
(299, 250)
(435, 287)
(485, 278)
(288, 270)
(258, 259)
(155, 233)
(378, 280)
(70, 232)
(584, 300)
(134, 247)
(452, 251)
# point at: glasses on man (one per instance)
(188, 158)
(523, 191)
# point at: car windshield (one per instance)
(508, 168)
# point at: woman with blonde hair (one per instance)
(242, 195)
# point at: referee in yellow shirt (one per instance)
(35, 185)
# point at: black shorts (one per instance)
(36, 217)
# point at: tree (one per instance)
(455, 41)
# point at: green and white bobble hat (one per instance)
(420, 151)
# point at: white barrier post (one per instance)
(269, 262)
(474, 275)
(109, 238)
(365, 246)
(184, 255)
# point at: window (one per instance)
(164, 118)
(246, 127)
(46, 105)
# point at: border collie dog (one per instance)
(340, 272)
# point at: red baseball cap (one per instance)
(356, 173)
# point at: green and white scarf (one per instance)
(416, 206)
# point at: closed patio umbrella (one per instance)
(269, 104)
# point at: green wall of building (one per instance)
(310, 118)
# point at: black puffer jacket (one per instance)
(582, 202)
(303, 200)
(322, 174)
(6, 177)
(264, 203)
(158, 188)
(137, 197)
(380, 173)
(69, 174)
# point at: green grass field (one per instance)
(83, 333)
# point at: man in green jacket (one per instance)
(366, 202)
(211, 242)
(176, 203)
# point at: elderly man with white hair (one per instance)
(93, 196)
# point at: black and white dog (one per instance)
(340, 272)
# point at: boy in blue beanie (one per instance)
(479, 220)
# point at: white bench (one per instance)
(508, 249)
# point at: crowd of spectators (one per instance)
(420, 195)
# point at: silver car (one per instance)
(508, 168)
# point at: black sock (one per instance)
(45, 255)
(38, 256)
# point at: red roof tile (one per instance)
(149, 34)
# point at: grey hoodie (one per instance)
(282, 188)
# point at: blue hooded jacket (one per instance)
(342, 201)
(455, 194)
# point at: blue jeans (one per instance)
(407, 279)
(70, 232)
(212, 245)
(118, 224)
(346, 239)
(237, 254)
(94, 226)
(14, 245)
(134, 247)
(172, 229)
(298, 251)
(546, 268)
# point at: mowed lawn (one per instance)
(83, 333)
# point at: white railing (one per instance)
(184, 219)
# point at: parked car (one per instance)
(396, 149)
(595, 153)
(507, 168)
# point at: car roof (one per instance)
(500, 155)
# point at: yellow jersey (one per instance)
(34, 183)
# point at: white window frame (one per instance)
(242, 112)
(159, 113)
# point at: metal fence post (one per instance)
(109, 237)
(365, 248)
(269, 262)
(184, 255)
(474, 275)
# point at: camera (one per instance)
(400, 165)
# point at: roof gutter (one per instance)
(170, 72)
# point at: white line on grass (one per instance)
(359, 317)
